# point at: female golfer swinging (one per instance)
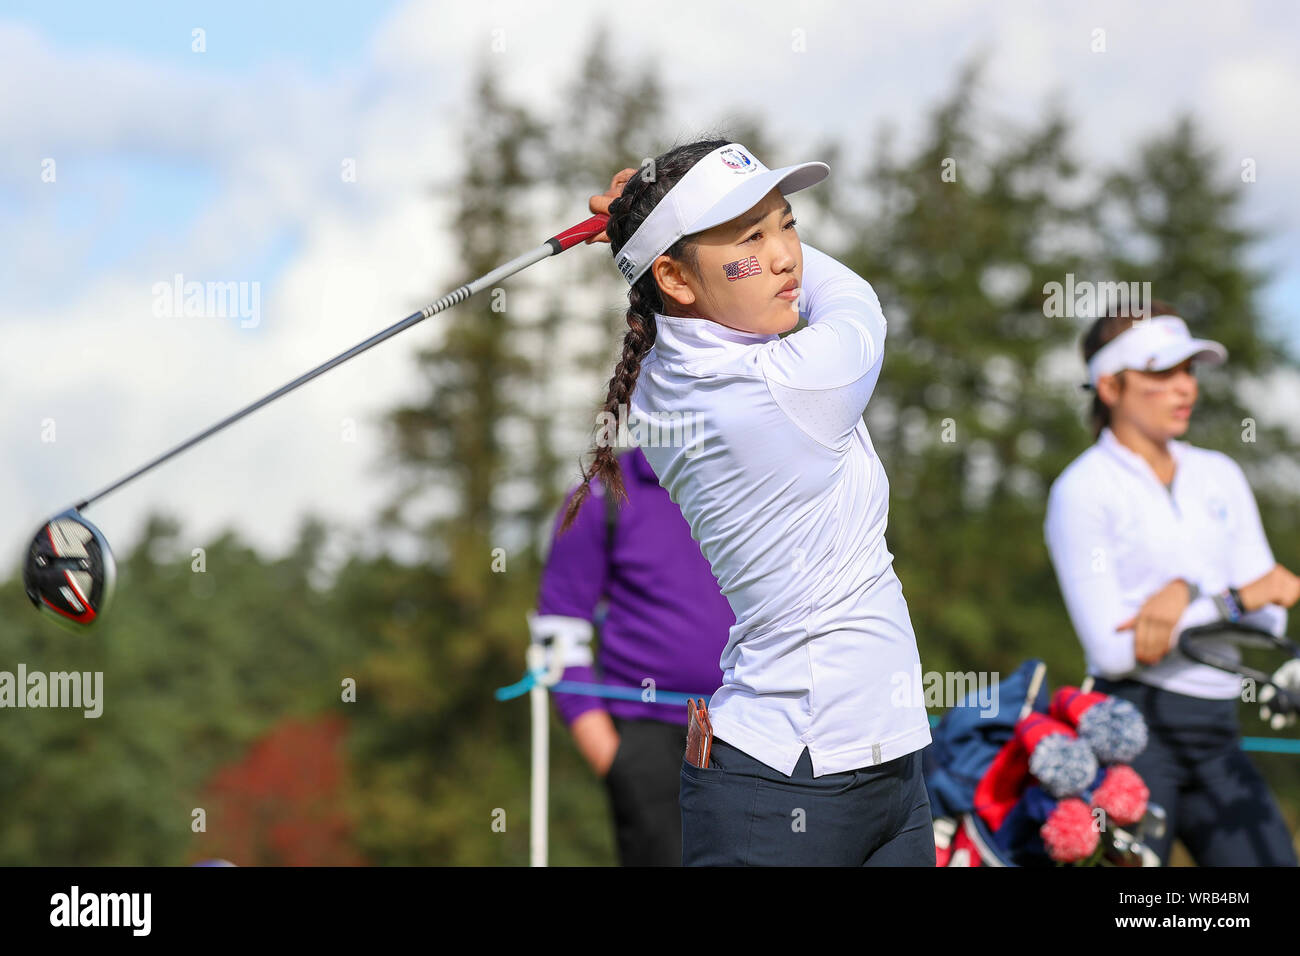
(760, 441)
(1148, 536)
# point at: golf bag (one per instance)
(991, 809)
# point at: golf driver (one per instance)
(69, 572)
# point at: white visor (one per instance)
(1153, 345)
(721, 186)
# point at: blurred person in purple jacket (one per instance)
(665, 620)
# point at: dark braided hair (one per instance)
(626, 213)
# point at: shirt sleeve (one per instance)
(1077, 529)
(823, 375)
(1252, 558)
(1270, 617)
(573, 583)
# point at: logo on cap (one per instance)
(737, 160)
(625, 267)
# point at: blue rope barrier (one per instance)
(1277, 745)
(519, 687)
(624, 693)
(530, 680)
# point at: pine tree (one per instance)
(959, 237)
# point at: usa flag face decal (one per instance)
(742, 268)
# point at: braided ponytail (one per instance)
(626, 213)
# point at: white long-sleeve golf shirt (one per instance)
(760, 441)
(1117, 535)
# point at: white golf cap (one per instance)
(721, 186)
(1153, 345)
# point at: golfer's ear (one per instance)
(1108, 389)
(671, 277)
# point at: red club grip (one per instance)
(582, 231)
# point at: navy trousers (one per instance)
(643, 792)
(1217, 803)
(740, 812)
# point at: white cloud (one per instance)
(122, 385)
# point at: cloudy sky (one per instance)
(131, 157)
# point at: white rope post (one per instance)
(541, 759)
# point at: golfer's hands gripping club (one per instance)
(600, 204)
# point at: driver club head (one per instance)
(69, 572)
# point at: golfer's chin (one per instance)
(1167, 429)
(782, 317)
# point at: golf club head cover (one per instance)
(1003, 782)
(1273, 710)
(1069, 834)
(1063, 764)
(1122, 796)
(1019, 837)
(1112, 726)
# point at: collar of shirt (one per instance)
(1132, 459)
(681, 339)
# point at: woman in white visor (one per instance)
(1150, 535)
(760, 441)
